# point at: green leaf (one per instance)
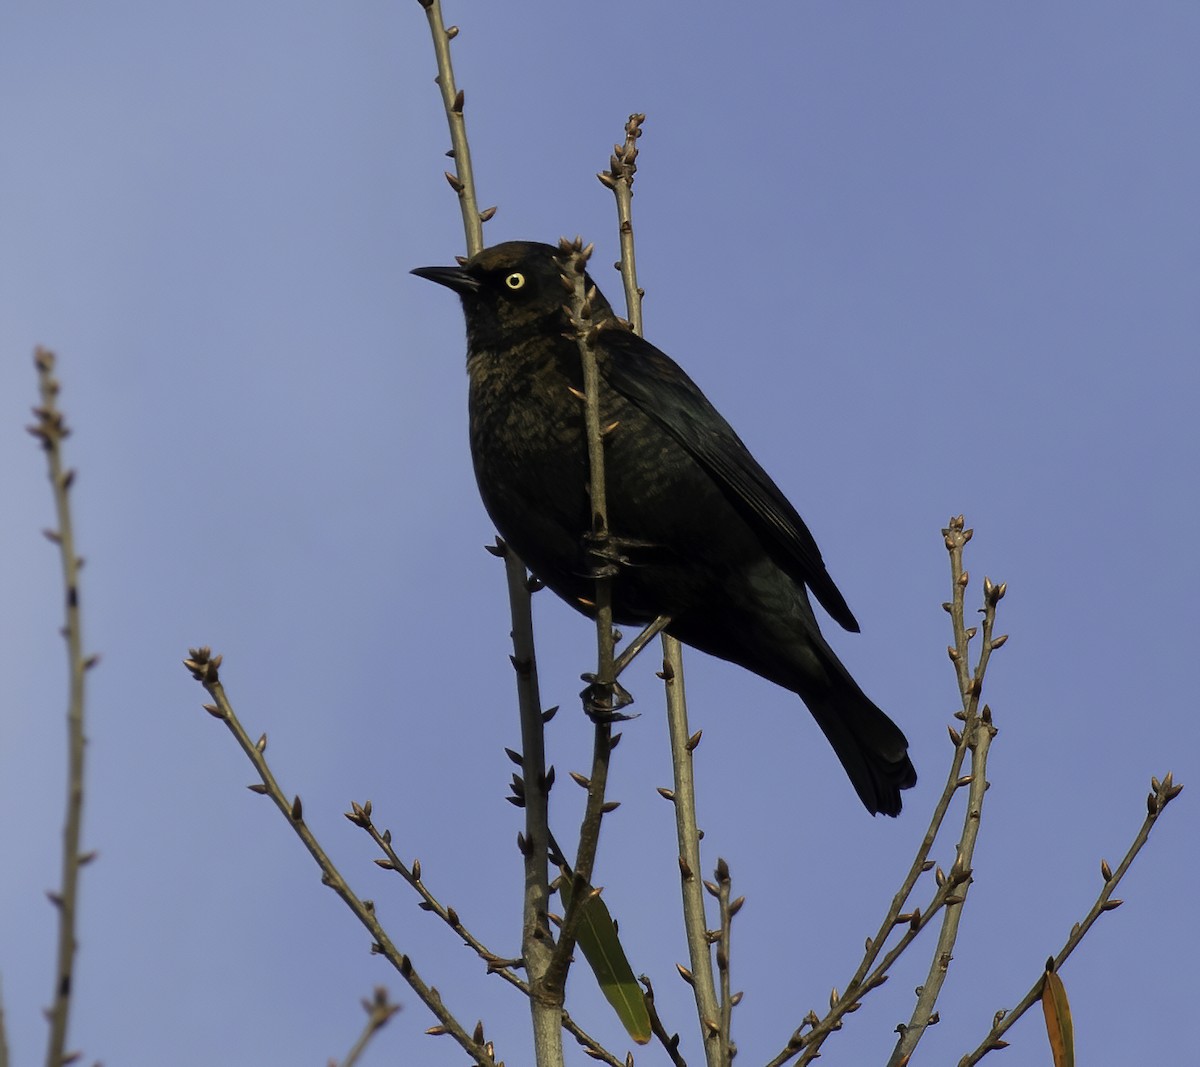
(1058, 1020)
(596, 936)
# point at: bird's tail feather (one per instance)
(872, 748)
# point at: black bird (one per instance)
(706, 537)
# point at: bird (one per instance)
(702, 533)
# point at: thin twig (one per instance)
(687, 833)
(51, 429)
(537, 941)
(593, 1048)
(978, 733)
(727, 909)
(842, 1004)
(3, 1037)
(573, 263)
(873, 969)
(669, 1042)
(619, 178)
(634, 648)
(895, 916)
(204, 667)
(1162, 793)
(379, 1010)
(462, 181)
(599, 694)
(360, 815)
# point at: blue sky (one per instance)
(926, 258)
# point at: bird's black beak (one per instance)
(451, 277)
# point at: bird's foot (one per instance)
(607, 553)
(603, 703)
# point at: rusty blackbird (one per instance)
(705, 536)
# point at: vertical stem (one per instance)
(688, 835)
(537, 944)
(51, 430)
(619, 178)
(536, 940)
(600, 693)
(723, 949)
(978, 732)
(453, 99)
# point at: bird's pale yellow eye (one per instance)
(515, 281)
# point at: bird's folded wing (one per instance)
(653, 381)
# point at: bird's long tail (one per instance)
(789, 650)
(872, 748)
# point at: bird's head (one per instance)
(510, 288)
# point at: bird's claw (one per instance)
(606, 553)
(603, 703)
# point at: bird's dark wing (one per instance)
(653, 381)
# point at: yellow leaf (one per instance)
(1058, 1020)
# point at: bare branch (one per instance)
(537, 941)
(687, 833)
(599, 696)
(51, 430)
(727, 909)
(634, 648)
(462, 181)
(1162, 793)
(874, 967)
(379, 1010)
(3, 1037)
(360, 815)
(669, 1042)
(977, 734)
(204, 667)
(619, 178)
